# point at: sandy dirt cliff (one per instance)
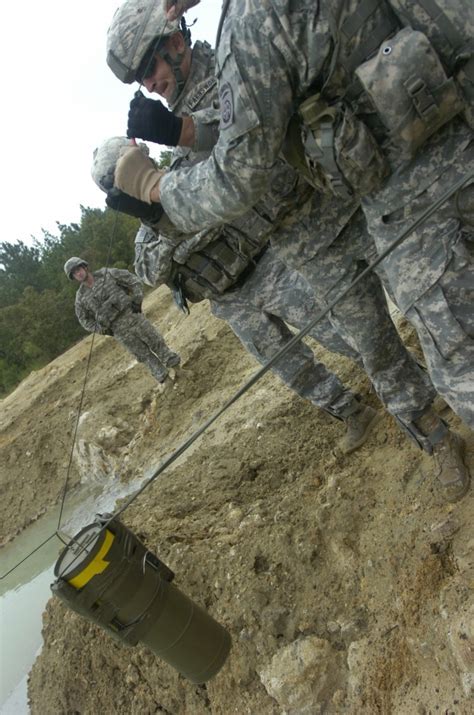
(346, 582)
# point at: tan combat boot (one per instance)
(359, 425)
(448, 453)
(453, 475)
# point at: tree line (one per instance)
(37, 319)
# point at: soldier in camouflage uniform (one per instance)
(254, 296)
(108, 301)
(272, 50)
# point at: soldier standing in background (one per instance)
(109, 302)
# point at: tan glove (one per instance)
(136, 175)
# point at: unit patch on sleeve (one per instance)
(226, 99)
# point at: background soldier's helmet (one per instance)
(135, 25)
(73, 263)
(105, 159)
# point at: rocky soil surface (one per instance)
(345, 581)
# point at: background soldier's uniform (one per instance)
(112, 306)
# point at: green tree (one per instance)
(37, 319)
(20, 266)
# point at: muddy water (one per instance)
(25, 591)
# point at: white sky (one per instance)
(62, 102)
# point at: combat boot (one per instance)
(453, 475)
(359, 425)
(447, 449)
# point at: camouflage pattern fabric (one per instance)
(266, 51)
(258, 309)
(361, 318)
(273, 50)
(431, 274)
(109, 306)
(258, 312)
(311, 223)
(270, 50)
(141, 338)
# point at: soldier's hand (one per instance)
(150, 120)
(136, 175)
(177, 7)
(136, 307)
(120, 201)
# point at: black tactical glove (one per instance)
(120, 201)
(136, 307)
(150, 120)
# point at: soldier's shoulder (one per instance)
(204, 79)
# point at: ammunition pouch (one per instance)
(409, 90)
(343, 147)
(401, 70)
(448, 24)
(222, 265)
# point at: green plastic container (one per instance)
(108, 576)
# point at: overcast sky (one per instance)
(62, 102)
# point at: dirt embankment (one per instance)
(346, 582)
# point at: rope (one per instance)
(86, 375)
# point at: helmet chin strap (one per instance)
(175, 64)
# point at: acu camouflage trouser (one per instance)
(258, 312)
(362, 317)
(143, 340)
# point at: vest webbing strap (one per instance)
(354, 22)
(455, 39)
(380, 32)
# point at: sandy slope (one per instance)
(346, 582)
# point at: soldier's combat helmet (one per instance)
(105, 159)
(73, 263)
(137, 27)
(138, 31)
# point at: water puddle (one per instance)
(25, 592)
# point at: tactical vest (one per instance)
(399, 71)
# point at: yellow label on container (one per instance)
(96, 566)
